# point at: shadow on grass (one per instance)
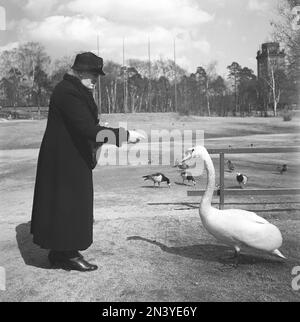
(32, 254)
(188, 205)
(155, 187)
(233, 187)
(209, 253)
(184, 184)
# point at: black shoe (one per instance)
(77, 264)
(69, 264)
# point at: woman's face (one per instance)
(90, 75)
(89, 79)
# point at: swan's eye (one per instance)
(193, 150)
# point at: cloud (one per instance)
(68, 26)
(40, 8)
(2, 19)
(63, 35)
(258, 5)
(167, 13)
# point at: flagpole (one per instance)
(175, 74)
(99, 81)
(124, 78)
(149, 84)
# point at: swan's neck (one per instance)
(210, 187)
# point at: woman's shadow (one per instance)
(32, 254)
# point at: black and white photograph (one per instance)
(149, 153)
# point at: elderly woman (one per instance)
(62, 214)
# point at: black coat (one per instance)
(62, 214)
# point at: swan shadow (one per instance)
(32, 254)
(209, 253)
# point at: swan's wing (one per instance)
(243, 214)
(236, 226)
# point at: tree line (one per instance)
(28, 77)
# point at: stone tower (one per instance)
(269, 56)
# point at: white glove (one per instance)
(135, 137)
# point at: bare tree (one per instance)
(234, 76)
(287, 32)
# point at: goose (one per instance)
(185, 176)
(157, 178)
(230, 166)
(242, 179)
(234, 227)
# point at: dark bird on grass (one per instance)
(242, 179)
(186, 176)
(230, 166)
(158, 178)
(283, 169)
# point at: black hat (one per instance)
(88, 62)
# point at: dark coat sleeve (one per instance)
(81, 120)
(75, 112)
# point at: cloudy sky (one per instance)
(205, 30)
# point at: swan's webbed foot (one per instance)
(236, 257)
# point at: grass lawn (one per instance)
(149, 242)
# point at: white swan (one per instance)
(234, 227)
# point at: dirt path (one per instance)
(149, 243)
